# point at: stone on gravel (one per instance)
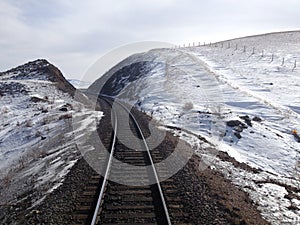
(247, 120)
(235, 123)
(238, 135)
(257, 119)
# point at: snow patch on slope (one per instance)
(201, 89)
(37, 142)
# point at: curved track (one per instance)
(114, 203)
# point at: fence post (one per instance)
(222, 45)
(282, 61)
(244, 49)
(228, 46)
(295, 65)
(209, 44)
(272, 57)
(262, 53)
(236, 47)
(253, 50)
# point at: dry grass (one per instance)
(7, 179)
(29, 123)
(47, 120)
(297, 173)
(188, 106)
(21, 162)
(38, 134)
(5, 110)
(65, 116)
(42, 153)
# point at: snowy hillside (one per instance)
(79, 83)
(37, 145)
(241, 95)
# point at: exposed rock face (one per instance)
(125, 72)
(247, 120)
(257, 119)
(235, 123)
(40, 69)
(114, 83)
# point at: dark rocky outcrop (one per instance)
(114, 84)
(41, 69)
(256, 119)
(247, 120)
(234, 123)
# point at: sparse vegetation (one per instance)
(6, 180)
(297, 172)
(5, 110)
(21, 163)
(188, 106)
(38, 134)
(29, 123)
(44, 110)
(46, 120)
(37, 99)
(65, 116)
(42, 153)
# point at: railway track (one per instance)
(130, 194)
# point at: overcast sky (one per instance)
(73, 34)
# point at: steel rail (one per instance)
(105, 180)
(152, 164)
(101, 195)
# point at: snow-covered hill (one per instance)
(79, 83)
(37, 145)
(242, 95)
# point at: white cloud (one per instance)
(81, 31)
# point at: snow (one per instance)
(37, 143)
(79, 83)
(194, 90)
(24, 123)
(199, 89)
(245, 76)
